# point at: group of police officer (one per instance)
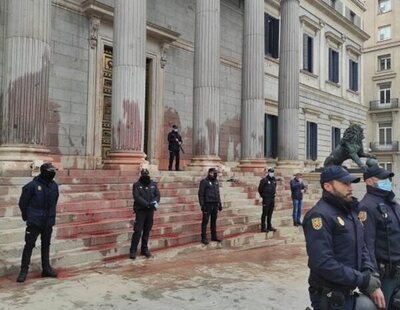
(353, 244)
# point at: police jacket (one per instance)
(144, 195)
(267, 188)
(173, 145)
(335, 245)
(209, 192)
(376, 222)
(38, 202)
(296, 187)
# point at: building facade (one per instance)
(95, 84)
(382, 85)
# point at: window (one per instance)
(308, 53)
(333, 3)
(384, 62)
(271, 136)
(384, 93)
(271, 36)
(352, 17)
(333, 66)
(384, 6)
(312, 141)
(384, 33)
(335, 137)
(353, 75)
(387, 166)
(385, 133)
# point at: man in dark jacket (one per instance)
(380, 214)
(174, 147)
(146, 198)
(267, 191)
(38, 208)
(338, 258)
(210, 203)
(297, 187)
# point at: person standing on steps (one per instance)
(210, 203)
(146, 198)
(297, 188)
(174, 147)
(38, 203)
(267, 191)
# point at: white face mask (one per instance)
(176, 130)
(271, 174)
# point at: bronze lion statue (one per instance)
(350, 147)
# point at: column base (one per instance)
(22, 157)
(203, 163)
(290, 167)
(252, 165)
(125, 161)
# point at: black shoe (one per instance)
(271, 229)
(49, 272)
(146, 254)
(216, 239)
(22, 275)
(295, 224)
(204, 241)
(264, 230)
(132, 255)
(177, 169)
(299, 223)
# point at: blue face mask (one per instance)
(385, 185)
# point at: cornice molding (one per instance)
(313, 25)
(354, 50)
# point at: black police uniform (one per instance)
(380, 214)
(210, 203)
(145, 194)
(174, 149)
(38, 208)
(338, 257)
(267, 190)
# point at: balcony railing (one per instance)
(377, 147)
(377, 105)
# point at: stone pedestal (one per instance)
(206, 84)
(128, 89)
(289, 167)
(26, 84)
(253, 106)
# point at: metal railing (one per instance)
(378, 105)
(377, 147)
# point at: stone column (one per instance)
(206, 84)
(128, 87)
(26, 83)
(288, 106)
(253, 106)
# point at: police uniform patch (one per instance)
(340, 220)
(316, 223)
(362, 216)
(39, 188)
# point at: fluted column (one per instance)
(253, 106)
(26, 81)
(288, 106)
(128, 88)
(206, 82)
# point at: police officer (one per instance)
(210, 203)
(267, 190)
(38, 208)
(174, 147)
(380, 214)
(146, 198)
(338, 258)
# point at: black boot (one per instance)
(47, 271)
(22, 275)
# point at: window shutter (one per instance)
(310, 53)
(305, 52)
(330, 65)
(275, 50)
(355, 76)
(351, 81)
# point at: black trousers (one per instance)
(142, 227)
(172, 155)
(268, 209)
(31, 235)
(211, 211)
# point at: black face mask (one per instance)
(145, 180)
(48, 176)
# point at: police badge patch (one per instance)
(362, 216)
(39, 188)
(340, 220)
(316, 223)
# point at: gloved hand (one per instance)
(24, 216)
(203, 209)
(219, 206)
(371, 282)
